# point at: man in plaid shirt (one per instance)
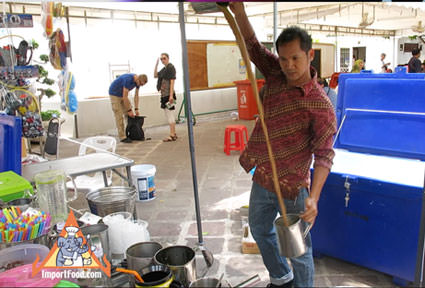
(301, 123)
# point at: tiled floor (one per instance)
(223, 188)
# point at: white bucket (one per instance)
(143, 178)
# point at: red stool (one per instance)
(239, 143)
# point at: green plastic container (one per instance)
(65, 283)
(13, 186)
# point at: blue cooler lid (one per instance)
(382, 115)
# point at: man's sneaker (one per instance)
(126, 140)
(289, 284)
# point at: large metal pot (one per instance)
(181, 261)
(108, 200)
(141, 254)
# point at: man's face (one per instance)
(295, 63)
(164, 59)
(140, 82)
(382, 57)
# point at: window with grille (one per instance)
(344, 60)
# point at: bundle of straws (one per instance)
(16, 226)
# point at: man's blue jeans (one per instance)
(263, 209)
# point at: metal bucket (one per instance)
(291, 238)
(181, 261)
(22, 203)
(141, 254)
(108, 200)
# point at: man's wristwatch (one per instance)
(129, 110)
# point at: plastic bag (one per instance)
(69, 100)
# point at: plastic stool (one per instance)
(239, 143)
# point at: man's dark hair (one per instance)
(415, 51)
(166, 55)
(292, 33)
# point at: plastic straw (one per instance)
(14, 226)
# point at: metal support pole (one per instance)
(189, 120)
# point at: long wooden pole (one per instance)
(235, 28)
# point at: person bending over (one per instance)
(121, 106)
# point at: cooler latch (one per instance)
(347, 186)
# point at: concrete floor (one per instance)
(223, 188)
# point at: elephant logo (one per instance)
(73, 250)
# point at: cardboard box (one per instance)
(248, 243)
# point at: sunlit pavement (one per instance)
(223, 188)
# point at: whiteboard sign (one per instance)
(224, 64)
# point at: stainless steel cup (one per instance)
(291, 238)
(141, 254)
(98, 239)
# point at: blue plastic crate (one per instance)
(10, 143)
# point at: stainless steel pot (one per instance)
(141, 254)
(181, 260)
(108, 200)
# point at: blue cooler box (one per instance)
(10, 143)
(371, 207)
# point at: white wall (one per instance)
(95, 116)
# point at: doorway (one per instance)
(317, 62)
(359, 53)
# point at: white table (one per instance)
(80, 165)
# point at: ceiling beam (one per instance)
(345, 30)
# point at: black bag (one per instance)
(134, 129)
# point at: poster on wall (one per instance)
(224, 64)
(16, 21)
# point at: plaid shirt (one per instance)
(300, 122)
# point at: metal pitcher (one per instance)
(291, 238)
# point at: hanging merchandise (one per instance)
(58, 10)
(57, 48)
(11, 56)
(47, 17)
(22, 53)
(66, 90)
(10, 102)
(32, 126)
(7, 56)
